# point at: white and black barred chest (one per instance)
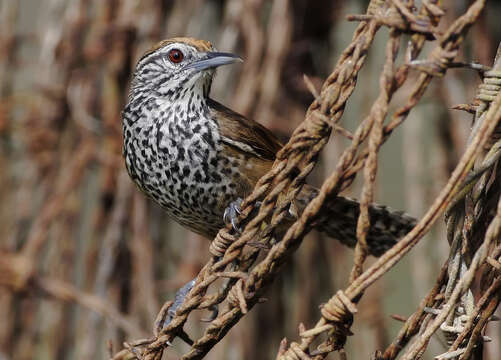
(173, 152)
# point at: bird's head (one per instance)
(178, 64)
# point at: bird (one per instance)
(197, 158)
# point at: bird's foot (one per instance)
(231, 213)
(178, 300)
(168, 312)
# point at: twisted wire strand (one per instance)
(376, 137)
(450, 45)
(464, 212)
(398, 15)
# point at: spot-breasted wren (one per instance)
(195, 157)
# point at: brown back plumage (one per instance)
(246, 134)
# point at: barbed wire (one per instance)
(278, 188)
(473, 229)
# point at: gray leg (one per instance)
(178, 300)
(231, 213)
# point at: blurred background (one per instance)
(107, 258)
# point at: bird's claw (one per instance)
(231, 214)
(178, 300)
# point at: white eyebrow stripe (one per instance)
(149, 58)
(161, 52)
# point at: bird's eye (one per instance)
(176, 56)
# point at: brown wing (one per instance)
(244, 134)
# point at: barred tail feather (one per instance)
(340, 216)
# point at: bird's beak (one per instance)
(213, 60)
